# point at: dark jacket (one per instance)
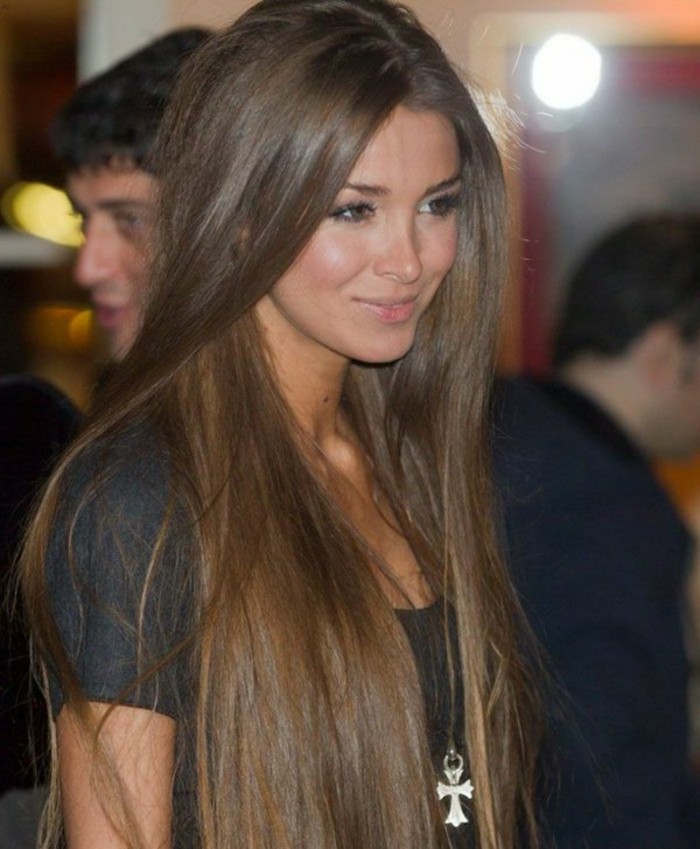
(598, 554)
(36, 423)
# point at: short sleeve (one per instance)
(117, 575)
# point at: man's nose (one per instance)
(96, 257)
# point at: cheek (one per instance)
(441, 255)
(687, 414)
(329, 262)
(450, 248)
(137, 268)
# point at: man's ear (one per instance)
(659, 355)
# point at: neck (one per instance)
(313, 389)
(613, 385)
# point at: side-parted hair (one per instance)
(644, 271)
(115, 115)
(309, 720)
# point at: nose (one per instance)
(399, 256)
(96, 259)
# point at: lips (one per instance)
(109, 317)
(391, 311)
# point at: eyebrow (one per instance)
(115, 205)
(381, 191)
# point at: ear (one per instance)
(659, 355)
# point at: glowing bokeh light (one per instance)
(42, 211)
(62, 328)
(81, 329)
(566, 71)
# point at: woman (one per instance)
(264, 582)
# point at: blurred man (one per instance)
(104, 135)
(599, 554)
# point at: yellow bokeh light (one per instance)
(42, 211)
(81, 329)
(60, 328)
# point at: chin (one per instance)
(385, 355)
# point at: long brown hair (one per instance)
(307, 713)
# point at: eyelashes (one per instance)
(358, 211)
(443, 205)
(353, 212)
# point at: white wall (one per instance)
(109, 30)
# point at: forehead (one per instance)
(409, 147)
(93, 186)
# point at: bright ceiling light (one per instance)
(42, 211)
(566, 71)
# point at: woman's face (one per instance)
(360, 286)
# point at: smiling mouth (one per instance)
(391, 312)
(109, 318)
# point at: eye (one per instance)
(126, 220)
(442, 205)
(130, 224)
(353, 212)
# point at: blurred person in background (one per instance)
(103, 136)
(599, 553)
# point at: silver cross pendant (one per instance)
(453, 767)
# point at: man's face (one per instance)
(672, 421)
(117, 206)
(684, 418)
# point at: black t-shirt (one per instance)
(425, 629)
(106, 532)
(112, 510)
